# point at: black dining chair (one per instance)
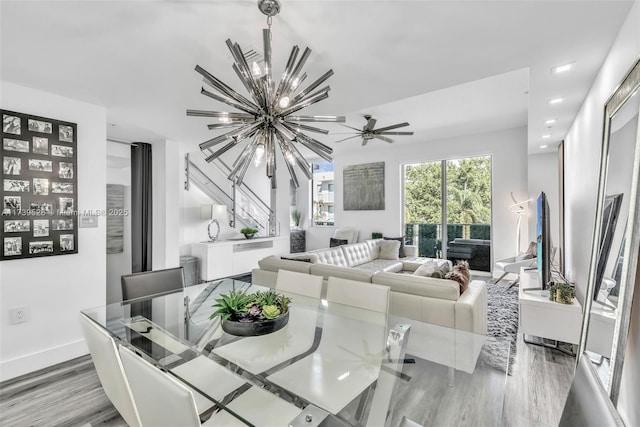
(142, 286)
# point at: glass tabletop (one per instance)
(356, 366)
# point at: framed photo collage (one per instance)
(39, 187)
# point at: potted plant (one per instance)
(562, 293)
(245, 314)
(249, 232)
(295, 217)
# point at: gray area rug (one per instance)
(502, 324)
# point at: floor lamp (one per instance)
(214, 213)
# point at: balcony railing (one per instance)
(428, 239)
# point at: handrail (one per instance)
(243, 187)
(193, 166)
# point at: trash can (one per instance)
(190, 267)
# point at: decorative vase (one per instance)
(252, 329)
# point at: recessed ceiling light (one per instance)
(550, 122)
(562, 68)
(546, 136)
(556, 101)
(544, 146)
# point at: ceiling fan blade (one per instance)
(382, 138)
(351, 137)
(399, 125)
(393, 133)
(350, 127)
(371, 123)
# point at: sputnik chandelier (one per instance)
(267, 119)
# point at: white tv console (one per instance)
(544, 318)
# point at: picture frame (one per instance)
(39, 186)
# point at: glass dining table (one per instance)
(339, 364)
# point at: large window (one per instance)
(450, 201)
(323, 194)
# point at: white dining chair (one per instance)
(299, 283)
(109, 368)
(358, 294)
(162, 400)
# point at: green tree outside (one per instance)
(468, 192)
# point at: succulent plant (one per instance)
(247, 308)
(284, 303)
(249, 230)
(270, 311)
(232, 305)
(269, 297)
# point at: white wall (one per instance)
(543, 176)
(508, 149)
(119, 172)
(56, 288)
(167, 177)
(583, 144)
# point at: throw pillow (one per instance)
(426, 270)
(296, 259)
(337, 242)
(441, 271)
(389, 249)
(401, 253)
(458, 277)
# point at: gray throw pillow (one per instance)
(337, 242)
(389, 249)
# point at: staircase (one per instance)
(244, 207)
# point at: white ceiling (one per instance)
(447, 67)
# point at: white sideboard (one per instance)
(544, 318)
(226, 258)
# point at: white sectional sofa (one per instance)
(428, 299)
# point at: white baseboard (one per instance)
(32, 362)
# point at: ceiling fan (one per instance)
(368, 132)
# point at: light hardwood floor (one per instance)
(70, 394)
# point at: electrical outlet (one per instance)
(19, 315)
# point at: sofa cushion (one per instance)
(401, 253)
(326, 270)
(357, 253)
(389, 249)
(423, 286)
(333, 256)
(274, 263)
(389, 265)
(374, 246)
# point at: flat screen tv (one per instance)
(543, 237)
(610, 213)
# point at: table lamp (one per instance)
(214, 213)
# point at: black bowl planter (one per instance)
(253, 329)
(249, 236)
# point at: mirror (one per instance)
(614, 254)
